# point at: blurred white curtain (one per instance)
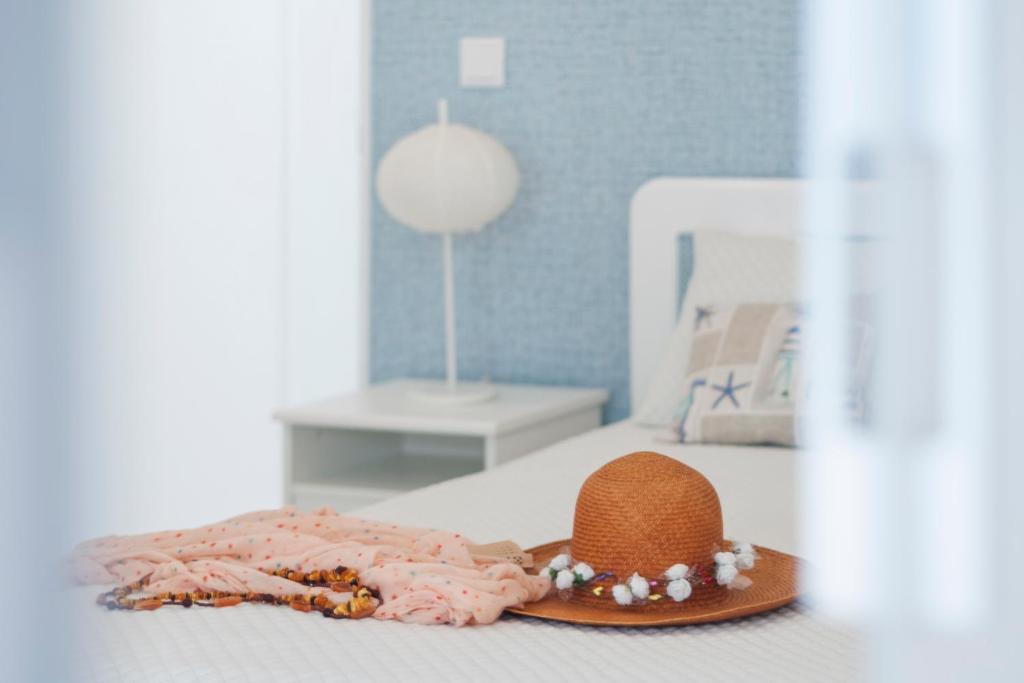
(912, 520)
(34, 361)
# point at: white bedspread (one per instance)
(530, 501)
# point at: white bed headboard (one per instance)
(660, 211)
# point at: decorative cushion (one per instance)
(742, 381)
(745, 382)
(728, 269)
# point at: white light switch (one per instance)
(482, 62)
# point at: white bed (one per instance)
(530, 501)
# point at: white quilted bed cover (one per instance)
(530, 501)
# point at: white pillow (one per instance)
(727, 269)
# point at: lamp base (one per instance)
(463, 393)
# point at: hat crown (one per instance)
(645, 512)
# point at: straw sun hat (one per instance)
(647, 550)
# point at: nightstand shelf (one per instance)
(365, 447)
(394, 474)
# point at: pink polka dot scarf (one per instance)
(424, 576)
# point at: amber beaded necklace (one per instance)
(340, 579)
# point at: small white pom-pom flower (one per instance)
(639, 587)
(622, 595)
(564, 579)
(679, 589)
(584, 571)
(745, 561)
(676, 572)
(559, 562)
(725, 558)
(742, 548)
(726, 573)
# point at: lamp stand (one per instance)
(452, 393)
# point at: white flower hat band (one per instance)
(676, 583)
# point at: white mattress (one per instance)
(530, 501)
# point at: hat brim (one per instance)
(774, 585)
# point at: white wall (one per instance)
(326, 159)
(216, 208)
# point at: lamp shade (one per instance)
(447, 178)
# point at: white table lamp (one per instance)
(448, 178)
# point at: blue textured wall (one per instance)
(601, 96)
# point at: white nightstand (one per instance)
(365, 447)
